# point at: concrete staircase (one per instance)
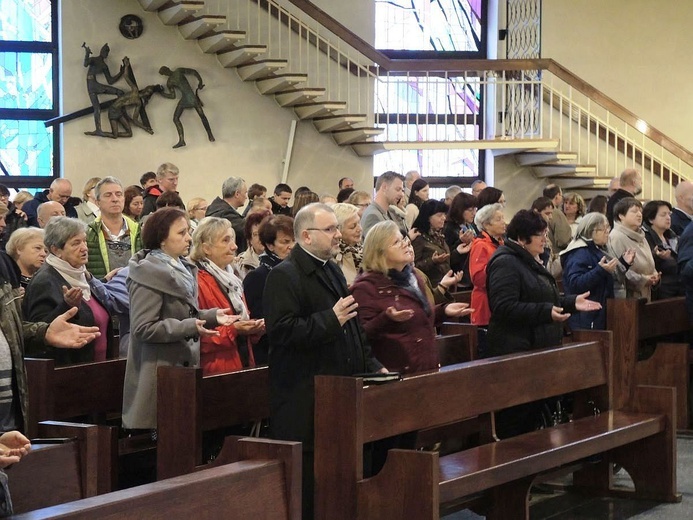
(564, 169)
(271, 78)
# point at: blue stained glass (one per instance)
(26, 80)
(25, 20)
(444, 25)
(26, 148)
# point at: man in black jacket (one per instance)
(312, 329)
(234, 193)
(631, 186)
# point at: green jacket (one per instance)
(98, 253)
(24, 338)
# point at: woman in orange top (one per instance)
(491, 223)
(213, 250)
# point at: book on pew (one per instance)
(379, 378)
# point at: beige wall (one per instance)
(251, 131)
(357, 15)
(635, 51)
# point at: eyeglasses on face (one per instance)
(330, 230)
(402, 243)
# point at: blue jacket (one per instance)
(581, 273)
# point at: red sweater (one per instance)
(218, 354)
(483, 248)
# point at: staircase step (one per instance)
(152, 5)
(561, 170)
(337, 122)
(497, 146)
(260, 69)
(200, 26)
(279, 82)
(318, 109)
(242, 55)
(220, 41)
(290, 98)
(531, 158)
(176, 13)
(353, 135)
(583, 183)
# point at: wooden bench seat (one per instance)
(264, 482)
(420, 484)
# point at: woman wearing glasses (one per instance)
(396, 308)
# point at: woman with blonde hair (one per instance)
(22, 197)
(196, 209)
(87, 211)
(350, 247)
(574, 208)
(26, 247)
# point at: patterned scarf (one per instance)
(185, 276)
(356, 252)
(269, 259)
(232, 285)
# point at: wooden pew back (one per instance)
(189, 404)
(263, 482)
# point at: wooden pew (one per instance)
(189, 404)
(420, 484)
(58, 472)
(466, 349)
(263, 481)
(634, 321)
(463, 296)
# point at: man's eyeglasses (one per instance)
(331, 230)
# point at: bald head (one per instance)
(47, 210)
(60, 191)
(631, 181)
(684, 196)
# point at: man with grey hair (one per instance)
(113, 237)
(409, 178)
(312, 329)
(60, 191)
(451, 193)
(234, 194)
(166, 180)
(46, 211)
(477, 186)
(682, 214)
(630, 185)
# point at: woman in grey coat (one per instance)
(165, 323)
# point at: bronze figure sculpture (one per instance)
(97, 65)
(189, 98)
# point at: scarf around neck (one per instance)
(356, 252)
(406, 279)
(269, 259)
(231, 284)
(74, 276)
(185, 277)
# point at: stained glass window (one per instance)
(28, 92)
(444, 25)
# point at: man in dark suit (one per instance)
(683, 212)
(631, 186)
(312, 329)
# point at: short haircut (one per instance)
(525, 224)
(258, 202)
(339, 184)
(623, 205)
(375, 246)
(158, 225)
(452, 191)
(169, 198)
(485, 214)
(167, 168)
(410, 175)
(649, 212)
(147, 177)
(102, 182)
(231, 186)
(477, 182)
(551, 190)
(627, 177)
(254, 219)
(358, 196)
(305, 218)
(460, 203)
(282, 188)
(58, 182)
(4, 191)
(589, 223)
(541, 203)
(489, 195)
(20, 238)
(256, 190)
(88, 186)
(387, 178)
(576, 198)
(208, 231)
(272, 226)
(61, 229)
(598, 204)
(426, 211)
(192, 205)
(343, 212)
(344, 194)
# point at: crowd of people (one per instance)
(345, 284)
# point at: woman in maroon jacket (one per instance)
(395, 308)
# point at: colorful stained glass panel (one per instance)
(25, 20)
(430, 163)
(26, 148)
(26, 80)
